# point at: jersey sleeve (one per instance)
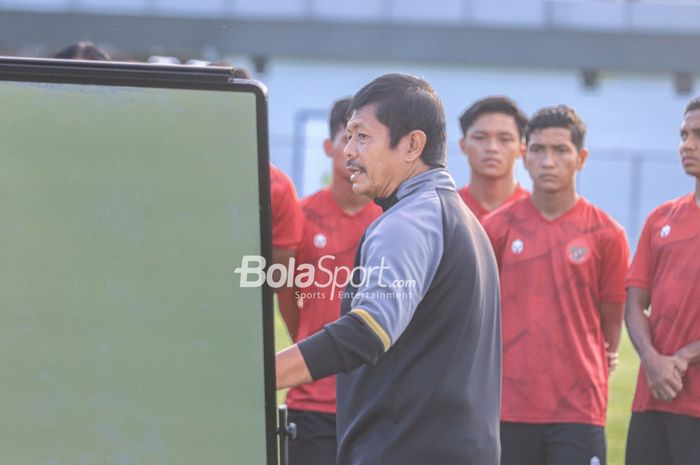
(287, 216)
(639, 274)
(400, 262)
(615, 263)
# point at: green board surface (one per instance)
(124, 336)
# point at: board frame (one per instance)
(210, 78)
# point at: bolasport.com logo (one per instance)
(323, 275)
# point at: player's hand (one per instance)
(613, 358)
(682, 361)
(665, 375)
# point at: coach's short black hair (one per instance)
(692, 105)
(406, 103)
(338, 118)
(494, 104)
(84, 50)
(559, 116)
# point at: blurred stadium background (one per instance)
(628, 67)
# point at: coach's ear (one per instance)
(414, 143)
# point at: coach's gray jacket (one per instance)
(419, 336)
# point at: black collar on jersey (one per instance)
(387, 202)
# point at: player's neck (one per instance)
(492, 193)
(347, 200)
(554, 204)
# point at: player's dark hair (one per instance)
(338, 118)
(406, 103)
(494, 104)
(559, 116)
(692, 105)
(84, 50)
(240, 72)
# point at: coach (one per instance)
(418, 344)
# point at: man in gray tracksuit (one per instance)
(418, 339)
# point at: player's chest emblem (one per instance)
(517, 246)
(665, 231)
(320, 240)
(578, 251)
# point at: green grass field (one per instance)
(622, 386)
(621, 392)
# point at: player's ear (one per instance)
(523, 153)
(582, 156)
(328, 147)
(463, 144)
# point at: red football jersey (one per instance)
(287, 218)
(330, 241)
(478, 210)
(554, 276)
(667, 262)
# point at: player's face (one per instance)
(375, 168)
(552, 159)
(334, 149)
(690, 143)
(492, 144)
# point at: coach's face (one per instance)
(690, 143)
(376, 168)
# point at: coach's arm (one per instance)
(290, 368)
(362, 335)
(341, 346)
(664, 373)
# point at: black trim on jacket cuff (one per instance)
(321, 355)
(340, 347)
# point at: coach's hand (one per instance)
(664, 374)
